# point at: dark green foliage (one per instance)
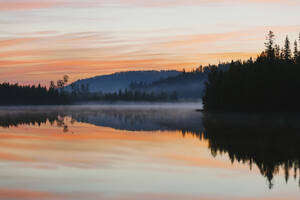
(265, 84)
(14, 94)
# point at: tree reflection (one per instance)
(271, 142)
(16, 119)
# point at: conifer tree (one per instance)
(277, 51)
(282, 53)
(298, 59)
(258, 85)
(287, 49)
(269, 45)
(296, 51)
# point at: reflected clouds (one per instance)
(95, 150)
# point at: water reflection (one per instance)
(15, 119)
(269, 141)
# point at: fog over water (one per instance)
(107, 105)
(161, 151)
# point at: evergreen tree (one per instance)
(258, 85)
(298, 59)
(65, 79)
(287, 49)
(282, 53)
(277, 51)
(296, 51)
(52, 85)
(269, 46)
(14, 94)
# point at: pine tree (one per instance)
(282, 53)
(287, 49)
(298, 59)
(52, 85)
(269, 45)
(277, 51)
(296, 51)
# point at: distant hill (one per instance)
(182, 85)
(188, 85)
(121, 80)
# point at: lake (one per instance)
(166, 152)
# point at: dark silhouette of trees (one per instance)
(16, 119)
(14, 94)
(52, 85)
(270, 51)
(136, 95)
(270, 83)
(62, 83)
(269, 141)
(296, 51)
(81, 93)
(287, 49)
(277, 51)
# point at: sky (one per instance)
(42, 40)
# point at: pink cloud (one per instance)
(6, 5)
(86, 54)
(26, 194)
(9, 5)
(168, 3)
(12, 42)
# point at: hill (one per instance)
(120, 81)
(187, 85)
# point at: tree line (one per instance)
(82, 94)
(15, 94)
(269, 83)
(130, 95)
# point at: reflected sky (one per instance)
(105, 153)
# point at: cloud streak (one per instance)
(85, 54)
(15, 5)
(42, 45)
(9, 5)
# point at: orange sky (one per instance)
(41, 40)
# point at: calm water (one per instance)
(153, 153)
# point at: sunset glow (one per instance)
(41, 40)
(104, 159)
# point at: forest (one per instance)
(270, 83)
(14, 94)
(83, 95)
